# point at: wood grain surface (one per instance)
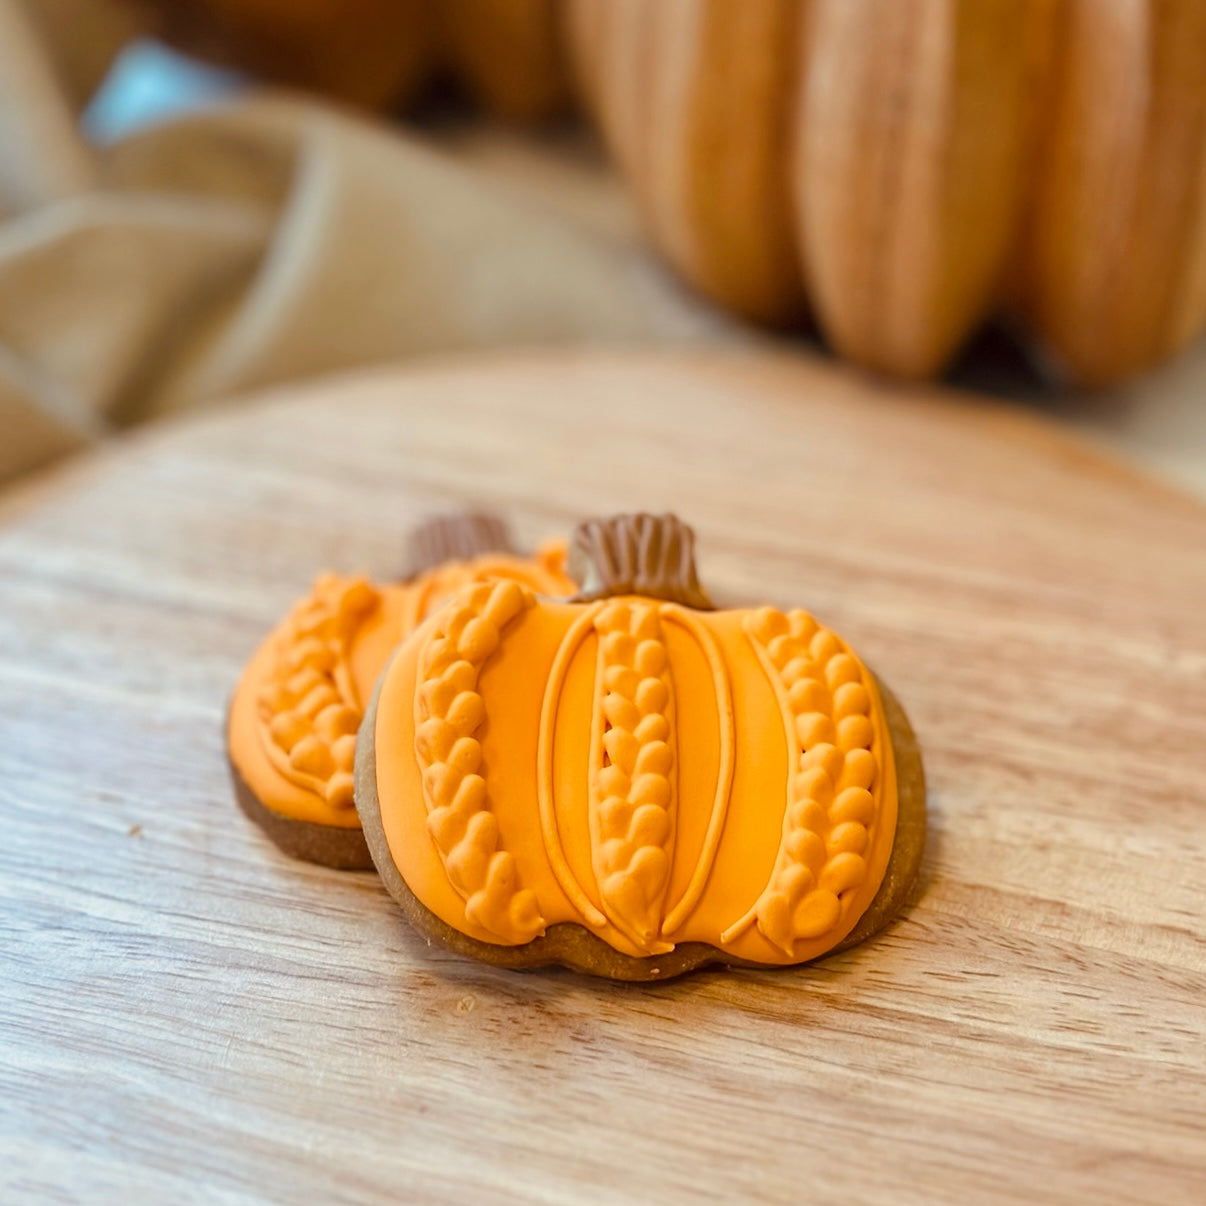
(186, 1015)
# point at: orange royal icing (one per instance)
(295, 712)
(653, 773)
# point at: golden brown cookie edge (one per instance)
(328, 845)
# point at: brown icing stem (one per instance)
(650, 555)
(457, 537)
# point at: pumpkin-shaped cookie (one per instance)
(632, 783)
(292, 725)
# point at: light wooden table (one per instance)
(186, 1015)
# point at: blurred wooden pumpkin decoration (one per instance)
(377, 53)
(906, 167)
(509, 53)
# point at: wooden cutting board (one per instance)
(187, 1015)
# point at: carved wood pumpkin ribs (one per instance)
(905, 167)
(654, 773)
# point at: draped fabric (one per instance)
(268, 239)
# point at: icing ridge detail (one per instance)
(633, 780)
(830, 808)
(448, 711)
(308, 708)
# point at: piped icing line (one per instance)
(632, 770)
(448, 711)
(825, 704)
(571, 642)
(308, 708)
(690, 898)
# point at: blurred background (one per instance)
(202, 197)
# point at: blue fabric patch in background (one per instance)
(149, 83)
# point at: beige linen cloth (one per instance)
(268, 240)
